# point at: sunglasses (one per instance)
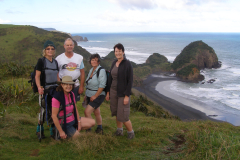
(50, 49)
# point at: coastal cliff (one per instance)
(194, 57)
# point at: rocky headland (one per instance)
(79, 38)
(193, 58)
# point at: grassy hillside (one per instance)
(24, 44)
(156, 138)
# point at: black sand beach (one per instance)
(184, 112)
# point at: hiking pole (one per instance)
(40, 115)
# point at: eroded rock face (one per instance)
(206, 59)
(199, 56)
(194, 78)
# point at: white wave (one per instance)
(224, 66)
(235, 71)
(233, 103)
(135, 53)
(231, 88)
(161, 76)
(97, 41)
(227, 96)
(170, 58)
(235, 95)
(101, 51)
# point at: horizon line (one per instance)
(151, 32)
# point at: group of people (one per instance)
(59, 87)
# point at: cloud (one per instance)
(13, 12)
(4, 21)
(135, 4)
(168, 4)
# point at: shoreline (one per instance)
(172, 105)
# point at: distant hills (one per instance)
(49, 29)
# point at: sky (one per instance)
(94, 16)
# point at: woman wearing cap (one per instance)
(120, 82)
(46, 78)
(68, 114)
(96, 82)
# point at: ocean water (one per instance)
(221, 96)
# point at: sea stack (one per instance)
(79, 38)
(194, 57)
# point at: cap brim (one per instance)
(59, 82)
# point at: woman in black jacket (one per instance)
(120, 82)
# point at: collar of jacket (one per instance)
(124, 59)
(95, 69)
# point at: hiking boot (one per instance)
(131, 135)
(118, 132)
(99, 131)
(42, 135)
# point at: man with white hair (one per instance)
(71, 64)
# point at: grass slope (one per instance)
(24, 44)
(156, 138)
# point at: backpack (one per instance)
(98, 71)
(42, 76)
(107, 73)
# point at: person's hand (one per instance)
(84, 98)
(63, 135)
(80, 90)
(107, 96)
(126, 100)
(40, 90)
(93, 98)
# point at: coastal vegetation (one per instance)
(159, 134)
(156, 138)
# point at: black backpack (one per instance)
(42, 76)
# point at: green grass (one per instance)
(7, 25)
(156, 138)
(24, 44)
(188, 70)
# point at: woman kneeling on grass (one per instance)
(64, 111)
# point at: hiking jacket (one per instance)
(124, 79)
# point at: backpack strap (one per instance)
(74, 110)
(46, 68)
(98, 71)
